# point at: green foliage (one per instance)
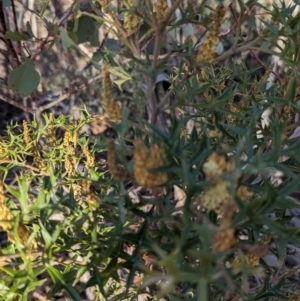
(209, 211)
(25, 79)
(16, 36)
(68, 39)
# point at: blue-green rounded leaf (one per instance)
(16, 36)
(66, 40)
(25, 79)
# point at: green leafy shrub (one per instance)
(183, 202)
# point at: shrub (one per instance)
(183, 201)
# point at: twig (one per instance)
(8, 41)
(149, 3)
(158, 38)
(28, 9)
(235, 25)
(232, 51)
(151, 103)
(19, 255)
(218, 59)
(168, 94)
(128, 42)
(153, 106)
(99, 48)
(252, 52)
(160, 28)
(154, 22)
(42, 44)
(147, 43)
(19, 164)
(17, 104)
(169, 14)
(64, 95)
(60, 259)
(287, 93)
(16, 25)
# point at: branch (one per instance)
(288, 91)
(153, 106)
(168, 94)
(159, 29)
(154, 21)
(17, 104)
(28, 9)
(8, 42)
(251, 51)
(232, 51)
(167, 17)
(22, 165)
(222, 57)
(123, 35)
(16, 25)
(41, 45)
(64, 95)
(158, 37)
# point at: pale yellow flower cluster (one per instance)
(51, 131)
(116, 170)
(7, 220)
(83, 192)
(26, 135)
(5, 214)
(90, 160)
(160, 8)
(250, 259)
(217, 197)
(207, 50)
(217, 194)
(3, 153)
(131, 20)
(145, 161)
(69, 145)
(112, 108)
